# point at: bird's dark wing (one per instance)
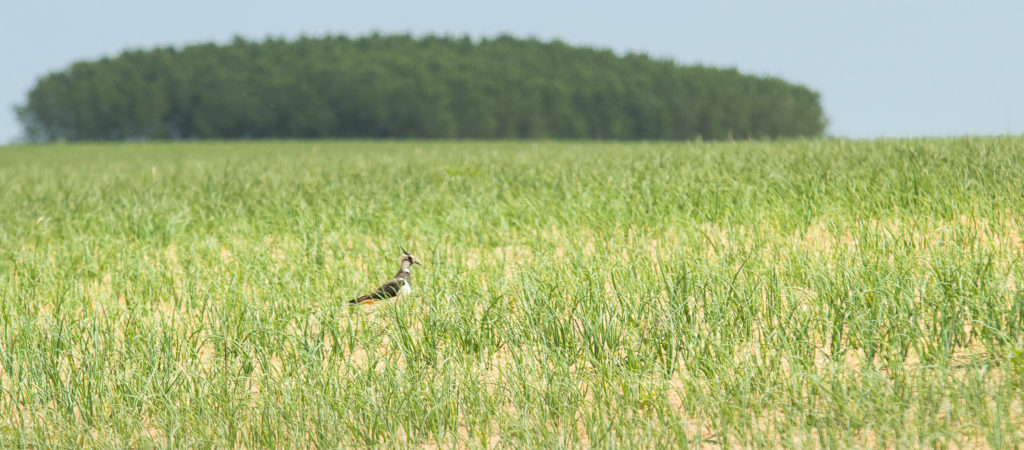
(387, 290)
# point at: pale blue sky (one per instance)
(883, 68)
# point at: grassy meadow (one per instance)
(796, 293)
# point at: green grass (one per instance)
(794, 293)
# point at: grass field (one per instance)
(795, 293)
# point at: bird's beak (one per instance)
(417, 262)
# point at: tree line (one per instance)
(399, 86)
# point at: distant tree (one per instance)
(400, 86)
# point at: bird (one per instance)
(395, 287)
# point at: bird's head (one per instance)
(409, 258)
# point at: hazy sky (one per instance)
(883, 68)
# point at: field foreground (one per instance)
(795, 293)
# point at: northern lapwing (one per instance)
(395, 287)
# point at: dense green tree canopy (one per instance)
(400, 86)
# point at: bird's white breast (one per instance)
(404, 290)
